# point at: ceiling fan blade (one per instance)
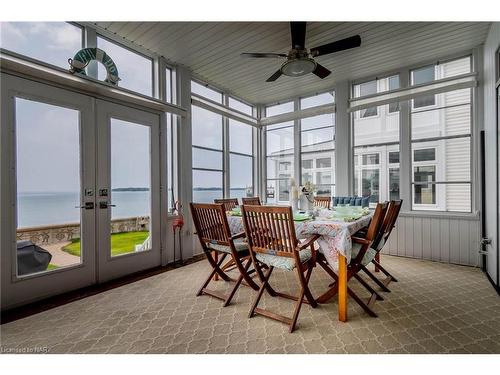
(339, 45)
(298, 30)
(321, 71)
(263, 55)
(274, 77)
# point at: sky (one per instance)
(48, 158)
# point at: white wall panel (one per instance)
(450, 240)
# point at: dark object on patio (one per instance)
(353, 201)
(213, 231)
(31, 258)
(252, 201)
(229, 203)
(273, 243)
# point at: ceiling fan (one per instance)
(300, 61)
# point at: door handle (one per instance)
(105, 204)
(87, 206)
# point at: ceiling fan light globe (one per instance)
(298, 67)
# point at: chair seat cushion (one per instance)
(238, 244)
(369, 255)
(284, 263)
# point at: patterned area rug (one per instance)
(434, 308)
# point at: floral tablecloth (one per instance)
(335, 235)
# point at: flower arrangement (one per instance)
(308, 191)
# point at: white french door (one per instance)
(47, 232)
(128, 193)
(79, 191)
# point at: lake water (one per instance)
(36, 209)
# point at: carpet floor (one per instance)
(434, 308)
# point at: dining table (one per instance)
(334, 241)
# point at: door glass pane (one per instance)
(48, 187)
(130, 187)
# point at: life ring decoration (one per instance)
(86, 55)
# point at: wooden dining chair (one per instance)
(273, 244)
(361, 251)
(254, 201)
(323, 202)
(389, 223)
(213, 231)
(229, 203)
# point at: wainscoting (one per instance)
(444, 239)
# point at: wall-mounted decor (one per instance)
(86, 55)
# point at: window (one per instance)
(441, 144)
(211, 133)
(438, 71)
(50, 42)
(240, 106)
(317, 137)
(370, 159)
(367, 88)
(168, 85)
(393, 83)
(279, 161)
(279, 109)
(135, 70)
(317, 100)
(394, 157)
(207, 155)
(206, 92)
(240, 159)
(419, 76)
(376, 152)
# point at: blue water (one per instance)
(36, 209)
(59, 208)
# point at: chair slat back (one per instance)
(254, 201)
(270, 229)
(391, 217)
(229, 203)
(322, 202)
(377, 221)
(210, 222)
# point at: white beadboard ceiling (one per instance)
(211, 50)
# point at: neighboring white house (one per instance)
(441, 142)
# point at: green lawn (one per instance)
(51, 267)
(121, 243)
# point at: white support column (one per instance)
(262, 157)
(257, 159)
(184, 157)
(297, 145)
(226, 175)
(90, 41)
(343, 141)
(405, 173)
